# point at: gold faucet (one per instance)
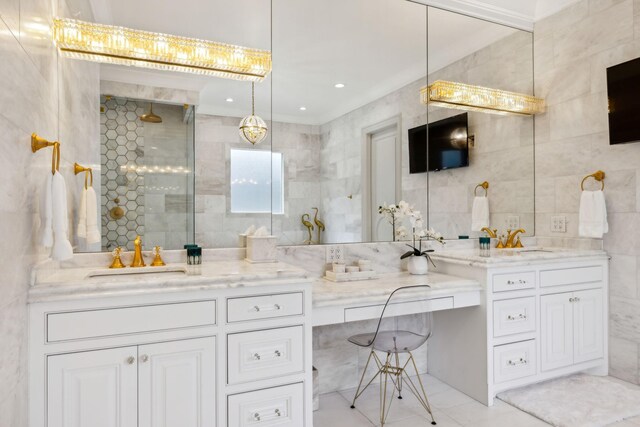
(492, 233)
(138, 261)
(117, 262)
(511, 236)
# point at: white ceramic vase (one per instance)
(418, 265)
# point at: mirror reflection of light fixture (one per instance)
(459, 138)
(126, 46)
(252, 128)
(461, 96)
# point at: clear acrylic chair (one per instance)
(396, 338)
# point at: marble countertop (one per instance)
(75, 283)
(516, 257)
(327, 293)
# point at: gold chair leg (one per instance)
(358, 391)
(384, 410)
(420, 393)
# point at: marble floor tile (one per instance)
(334, 411)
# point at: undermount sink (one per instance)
(138, 270)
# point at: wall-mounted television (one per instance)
(623, 87)
(447, 145)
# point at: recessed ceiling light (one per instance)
(229, 99)
(303, 108)
(339, 85)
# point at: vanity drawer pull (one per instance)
(264, 306)
(520, 361)
(273, 307)
(513, 281)
(518, 317)
(258, 356)
(258, 417)
(131, 360)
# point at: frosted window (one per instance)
(252, 172)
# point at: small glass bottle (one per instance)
(485, 246)
(194, 260)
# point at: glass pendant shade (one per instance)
(252, 128)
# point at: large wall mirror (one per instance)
(348, 130)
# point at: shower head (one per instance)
(150, 117)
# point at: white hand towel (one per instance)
(82, 215)
(593, 215)
(46, 229)
(480, 213)
(93, 234)
(62, 249)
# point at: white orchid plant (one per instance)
(396, 214)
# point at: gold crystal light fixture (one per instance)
(462, 96)
(252, 128)
(125, 46)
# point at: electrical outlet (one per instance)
(335, 253)
(558, 224)
(513, 222)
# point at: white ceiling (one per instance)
(372, 46)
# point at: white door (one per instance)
(93, 389)
(177, 384)
(383, 181)
(588, 325)
(556, 331)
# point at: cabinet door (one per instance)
(177, 384)
(93, 389)
(588, 325)
(556, 331)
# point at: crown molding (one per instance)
(481, 10)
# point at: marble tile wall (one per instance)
(57, 98)
(216, 225)
(573, 48)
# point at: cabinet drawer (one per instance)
(264, 307)
(277, 406)
(258, 355)
(513, 361)
(397, 309)
(571, 276)
(514, 316)
(514, 281)
(128, 320)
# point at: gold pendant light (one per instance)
(252, 128)
(462, 96)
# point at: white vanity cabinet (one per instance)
(571, 328)
(224, 357)
(165, 384)
(538, 320)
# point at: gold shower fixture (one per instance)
(127, 46)
(150, 117)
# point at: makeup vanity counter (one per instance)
(543, 314)
(230, 346)
(339, 302)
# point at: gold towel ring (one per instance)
(598, 176)
(484, 185)
(38, 143)
(88, 173)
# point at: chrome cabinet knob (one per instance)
(144, 358)
(278, 412)
(131, 360)
(256, 356)
(278, 354)
(256, 416)
(256, 308)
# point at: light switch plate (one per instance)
(335, 253)
(558, 224)
(513, 222)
